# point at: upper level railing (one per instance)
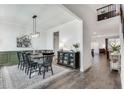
(107, 11)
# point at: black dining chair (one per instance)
(21, 60)
(31, 65)
(47, 63)
(25, 62)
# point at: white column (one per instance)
(122, 55)
(78, 10)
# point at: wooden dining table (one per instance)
(36, 56)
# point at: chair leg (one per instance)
(27, 70)
(51, 69)
(18, 65)
(44, 73)
(39, 72)
(47, 69)
(30, 73)
(21, 67)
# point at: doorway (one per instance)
(56, 41)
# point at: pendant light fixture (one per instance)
(35, 33)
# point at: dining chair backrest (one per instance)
(48, 58)
(20, 58)
(51, 53)
(46, 51)
(25, 57)
(28, 52)
(28, 58)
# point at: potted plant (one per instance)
(76, 46)
(115, 47)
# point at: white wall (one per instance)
(9, 33)
(69, 34)
(100, 41)
(97, 43)
(95, 46)
(88, 18)
(122, 56)
(38, 42)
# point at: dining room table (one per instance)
(37, 56)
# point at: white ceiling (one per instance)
(49, 16)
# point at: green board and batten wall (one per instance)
(8, 58)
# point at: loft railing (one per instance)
(108, 11)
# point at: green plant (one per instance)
(115, 47)
(76, 45)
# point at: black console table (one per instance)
(69, 59)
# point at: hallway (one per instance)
(98, 77)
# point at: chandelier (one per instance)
(34, 33)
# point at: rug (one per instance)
(17, 79)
